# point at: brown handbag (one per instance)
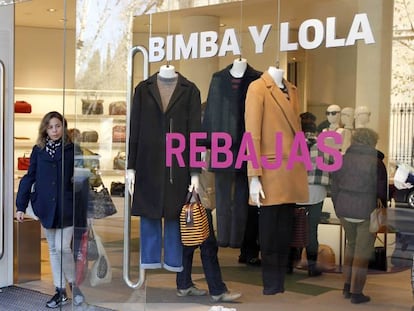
(90, 136)
(23, 163)
(119, 134)
(92, 106)
(117, 108)
(194, 225)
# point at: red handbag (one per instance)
(82, 259)
(21, 106)
(23, 163)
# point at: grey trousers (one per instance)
(358, 250)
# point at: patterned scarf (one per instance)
(52, 145)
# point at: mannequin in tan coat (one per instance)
(271, 107)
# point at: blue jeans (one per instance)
(151, 244)
(232, 196)
(209, 259)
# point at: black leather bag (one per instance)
(117, 189)
(100, 204)
(378, 259)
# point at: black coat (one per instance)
(160, 191)
(225, 108)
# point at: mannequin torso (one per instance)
(239, 67)
(167, 71)
(277, 75)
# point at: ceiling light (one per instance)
(222, 25)
(51, 10)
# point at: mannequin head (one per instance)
(333, 114)
(347, 117)
(362, 115)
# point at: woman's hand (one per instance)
(20, 216)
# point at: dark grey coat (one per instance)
(160, 191)
(225, 108)
(360, 181)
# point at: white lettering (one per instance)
(208, 44)
(331, 40)
(304, 41)
(156, 49)
(182, 49)
(311, 34)
(229, 43)
(170, 40)
(259, 39)
(360, 22)
(284, 39)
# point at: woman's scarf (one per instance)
(52, 145)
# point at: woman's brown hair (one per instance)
(44, 124)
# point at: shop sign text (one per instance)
(312, 34)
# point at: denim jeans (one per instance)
(152, 243)
(61, 257)
(232, 194)
(209, 260)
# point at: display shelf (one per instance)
(73, 117)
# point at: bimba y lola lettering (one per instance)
(221, 143)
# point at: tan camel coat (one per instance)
(268, 111)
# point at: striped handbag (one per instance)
(193, 221)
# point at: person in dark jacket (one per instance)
(355, 189)
(48, 185)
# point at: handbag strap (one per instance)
(191, 194)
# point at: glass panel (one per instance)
(324, 47)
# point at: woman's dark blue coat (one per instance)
(52, 199)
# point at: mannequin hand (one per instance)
(130, 179)
(20, 216)
(195, 182)
(256, 191)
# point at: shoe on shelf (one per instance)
(58, 300)
(359, 298)
(226, 297)
(77, 296)
(191, 291)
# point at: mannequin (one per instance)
(347, 120)
(239, 67)
(167, 71)
(269, 110)
(225, 110)
(362, 115)
(158, 191)
(333, 114)
(277, 75)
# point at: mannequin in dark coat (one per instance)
(225, 113)
(160, 191)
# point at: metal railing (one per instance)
(402, 133)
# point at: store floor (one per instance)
(388, 291)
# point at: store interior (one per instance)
(47, 62)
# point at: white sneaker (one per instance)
(226, 297)
(191, 291)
